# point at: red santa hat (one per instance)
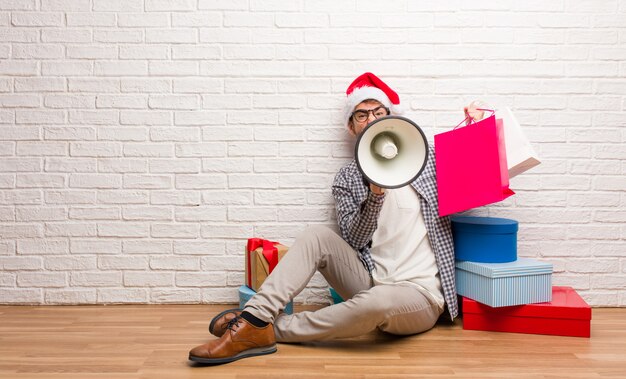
(369, 86)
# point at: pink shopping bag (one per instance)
(471, 166)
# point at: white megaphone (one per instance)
(391, 152)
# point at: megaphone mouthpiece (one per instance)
(385, 146)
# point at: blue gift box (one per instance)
(335, 296)
(246, 293)
(524, 281)
(484, 239)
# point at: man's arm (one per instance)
(357, 221)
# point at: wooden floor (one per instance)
(151, 341)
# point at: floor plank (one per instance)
(152, 341)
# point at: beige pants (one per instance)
(398, 309)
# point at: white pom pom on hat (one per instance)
(369, 86)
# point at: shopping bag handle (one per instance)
(471, 119)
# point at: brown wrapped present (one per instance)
(262, 256)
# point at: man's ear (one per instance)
(351, 128)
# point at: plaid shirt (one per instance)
(357, 213)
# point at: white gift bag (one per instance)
(520, 155)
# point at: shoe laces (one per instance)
(224, 325)
(233, 322)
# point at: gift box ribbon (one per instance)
(270, 252)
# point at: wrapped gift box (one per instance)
(566, 315)
(261, 258)
(484, 239)
(335, 296)
(523, 281)
(246, 294)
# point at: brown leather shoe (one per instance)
(240, 340)
(218, 325)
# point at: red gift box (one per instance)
(566, 315)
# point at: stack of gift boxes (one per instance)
(262, 256)
(501, 292)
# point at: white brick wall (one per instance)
(142, 141)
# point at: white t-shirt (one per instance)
(401, 249)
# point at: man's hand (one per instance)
(472, 113)
(376, 189)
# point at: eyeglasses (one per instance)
(361, 115)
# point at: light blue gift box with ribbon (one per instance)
(246, 293)
(523, 281)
